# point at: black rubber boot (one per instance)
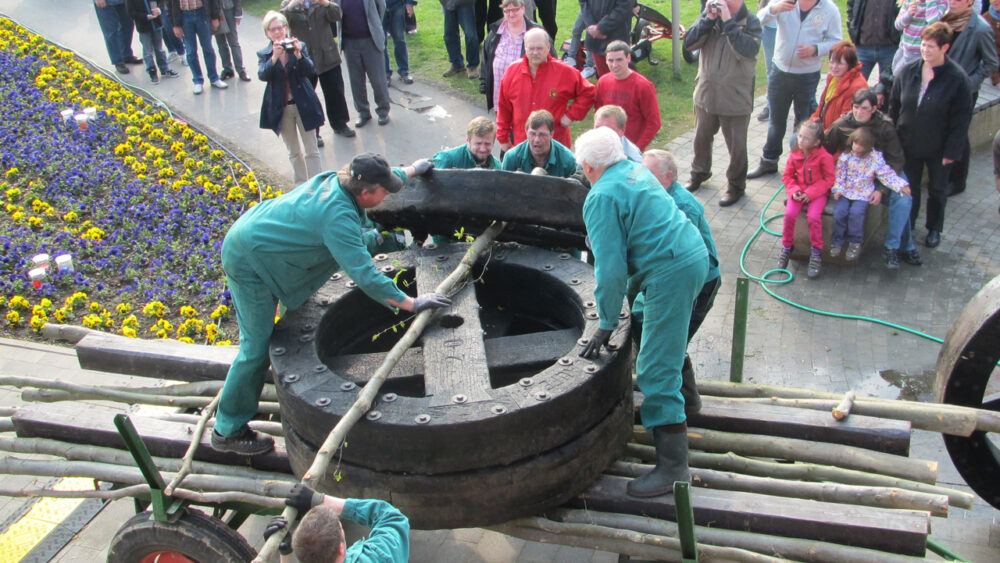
(671, 443)
(689, 388)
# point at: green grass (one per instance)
(428, 60)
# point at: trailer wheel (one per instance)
(967, 376)
(195, 537)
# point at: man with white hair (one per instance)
(641, 240)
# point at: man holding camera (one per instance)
(729, 38)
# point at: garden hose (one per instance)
(764, 281)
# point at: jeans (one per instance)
(871, 54)
(849, 221)
(169, 39)
(197, 29)
(899, 236)
(117, 28)
(814, 216)
(783, 90)
(767, 40)
(152, 46)
(230, 53)
(394, 24)
(464, 16)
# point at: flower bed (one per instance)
(138, 199)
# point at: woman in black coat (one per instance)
(291, 108)
(931, 105)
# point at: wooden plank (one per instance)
(879, 434)
(159, 359)
(896, 531)
(163, 438)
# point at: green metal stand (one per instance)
(685, 522)
(739, 329)
(944, 552)
(165, 508)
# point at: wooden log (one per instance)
(142, 491)
(802, 450)
(936, 417)
(164, 439)
(808, 551)
(881, 497)
(67, 333)
(130, 475)
(269, 428)
(112, 456)
(368, 393)
(843, 408)
(806, 472)
(6, 424)
(90, 392)
(895, 531)
(198, 388)
(617, 540)
(8, 411)
(879, 434)
(159, 359)
(196, 437)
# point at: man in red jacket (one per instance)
(633, 92)
(540, 81)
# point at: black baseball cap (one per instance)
(373, 169)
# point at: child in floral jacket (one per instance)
(853, 188)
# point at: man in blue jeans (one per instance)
(807, 29)
(194, 21)
(461, 13)
(117, 28)
(394, 24)
(871, 25)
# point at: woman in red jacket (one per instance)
(844, 80)
(809, 175)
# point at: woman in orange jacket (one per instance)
(844, 80)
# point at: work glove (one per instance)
(277, 524)
(593, 348)
(422, 166)
(302, 498)
(430, 301)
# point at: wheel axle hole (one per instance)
(451, 321)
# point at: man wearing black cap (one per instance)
(285, 249)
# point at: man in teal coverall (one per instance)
(663, 167)
(319, 536)
(641, 239)
(540, 150)
(285, 249)
(477, 152)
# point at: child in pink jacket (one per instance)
(809, 174)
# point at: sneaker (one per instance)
(407, 79)
(472, 72)
(836, 249)
(121, 68)
(245, 442)
(453, 71)
(184, 60)
(891, 256)
(853, 250)
(588, 71)
(153, 77)
(198, 89)
(244, 76)
(170, 73)
(815, 262)
(172, 56)
(220, 85)
(764, 115)
(911, 257)
(783, 257)
(226, 74)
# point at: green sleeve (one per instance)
(608, 243)
(389, 538)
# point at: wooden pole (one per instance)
(199, 431)
(195, 389)
(143, 490)
(843, 408)
(370, 390)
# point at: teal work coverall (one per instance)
(641, 239)
(389, 538)
(561, 161)
(695, 212)
(285, 249)
(461, 157)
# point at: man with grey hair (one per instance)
(641, 240)
(661, 163)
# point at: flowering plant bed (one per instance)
(137, 199)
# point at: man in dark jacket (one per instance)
(729, 38)
(194, 21)
(149, 24)
(117, 28)
(312, 25)
(363, 43)
(870, 24)
(606, 21)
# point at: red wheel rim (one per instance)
(166, 557)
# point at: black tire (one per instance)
(194, 535)
(965, 366)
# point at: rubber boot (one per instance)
(689, 388)
(671, 443)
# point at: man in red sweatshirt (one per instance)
(633, 92)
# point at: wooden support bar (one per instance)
(739, 329)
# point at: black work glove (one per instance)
(302, 498)
(593, 348)
(277, 524)
(430, 301)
